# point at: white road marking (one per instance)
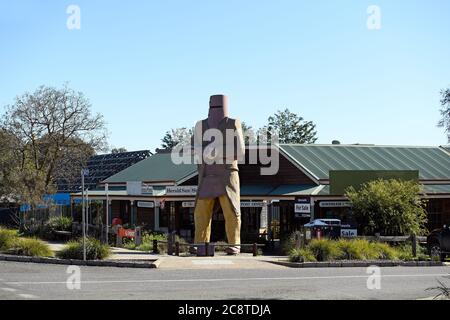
(8, 289)
(27, 296)
(211, 262)
(230, 279)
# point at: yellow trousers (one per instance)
(203, 216)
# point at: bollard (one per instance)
(155, 246)
(414, 245)
(138, 236)
(177, 248)
(255, 249)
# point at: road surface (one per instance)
(45, 281)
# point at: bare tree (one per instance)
(51, 126)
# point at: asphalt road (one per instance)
(43, 281)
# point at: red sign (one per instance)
(127, 233)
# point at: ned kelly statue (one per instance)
(218, 145)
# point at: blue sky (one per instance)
(149, 66)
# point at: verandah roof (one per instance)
(433, 163)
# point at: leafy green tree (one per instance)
(290, 128)
(118, 150)
(389, 207)
(445, 112)
(249, 133)
(176, 136)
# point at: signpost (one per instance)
(107, 212)
(84, 172)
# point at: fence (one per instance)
(175, 247)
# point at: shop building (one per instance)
(160, 195)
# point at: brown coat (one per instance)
(226, 175)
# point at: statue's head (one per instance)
(218, 109)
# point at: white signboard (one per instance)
(303, 208)
(181, 191)
(147, 189)
(145, 204)
(263, 218)
(252, 204)
(335, 204)
(137, 188)
(188, 204)
(349, 233)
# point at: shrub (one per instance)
(31, 247)
(62, 223)
(290, 242)
(390, 207)
(7, 238)
(354, 249)
(147, 242)
(95, 250)
(301, 255)
(129, 244)
(324, 249)
(385, 251)
(404, 252)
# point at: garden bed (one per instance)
(359, 263)
(96, 263)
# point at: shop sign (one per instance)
(181, 191)
(335, 204)
(188, 204)
(252, 204)
(138, 188)
(145, 204)
(349, 233)
(302, 207)
(126, 233)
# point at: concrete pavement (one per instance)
(41, 281)
(219, 261)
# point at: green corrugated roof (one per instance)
(158, 167)
(433, 163)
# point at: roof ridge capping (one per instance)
(361, 145)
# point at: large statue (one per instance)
(218, 177)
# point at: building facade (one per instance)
(160, 195)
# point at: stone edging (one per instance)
(359, 263)
(96, 263)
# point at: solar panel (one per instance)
(101, 167)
